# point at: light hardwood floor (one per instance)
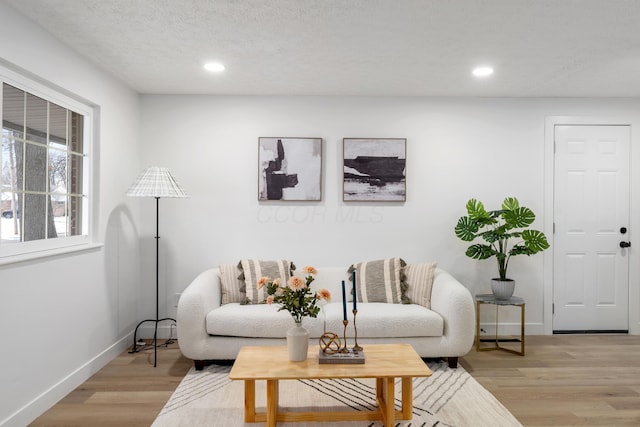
(564, 380)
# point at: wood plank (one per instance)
(565, 380)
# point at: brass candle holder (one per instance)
(344, 349)
(355, 328)
(332, 351)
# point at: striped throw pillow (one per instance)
(232, 289)
(252, 270)
(381, 281)
(420, 281)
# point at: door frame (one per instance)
(634, 205)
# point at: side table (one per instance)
(483, 299)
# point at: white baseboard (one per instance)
(32, 410)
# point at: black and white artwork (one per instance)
(374, 169)
(290, 169)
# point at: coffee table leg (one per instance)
(272, 402)
(385, 392)
(389, 398)
(407, 398)
(250, 401)
(379, 388)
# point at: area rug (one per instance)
(449, 398)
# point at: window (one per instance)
(44, 170)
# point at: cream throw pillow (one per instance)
(232, 289)
(420, 281)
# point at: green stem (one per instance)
(503, 262)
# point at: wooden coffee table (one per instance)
(384, 362)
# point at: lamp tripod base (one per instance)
(136, 349)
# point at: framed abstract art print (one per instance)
(374, 169)
(290, 169)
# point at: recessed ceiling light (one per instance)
(482, 71)
(214, 67)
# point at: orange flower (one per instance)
(323, 294)
(296, 283)
(261, 282)
(296, 295)
(310, 270)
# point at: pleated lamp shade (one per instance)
(156, 182)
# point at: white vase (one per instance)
(297, 342)
(503, 289)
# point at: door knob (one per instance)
(625, 244)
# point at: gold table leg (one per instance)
(477, 325)
(522, 331)
(496, 345)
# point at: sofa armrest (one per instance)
(197, 300)
(453, 301)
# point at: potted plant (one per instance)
(499, 229)
(297, 298)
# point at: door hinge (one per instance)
(553, 309)
(554, 228)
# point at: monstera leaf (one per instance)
(518, 218)
(478, 213)
(479, 251)
(467, 228)
(535, 240)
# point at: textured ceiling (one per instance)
(356, 47)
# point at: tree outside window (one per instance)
(42, 161)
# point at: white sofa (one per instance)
(207, 330)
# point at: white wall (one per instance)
(62, 318)
(458, 148)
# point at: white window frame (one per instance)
(19, 251)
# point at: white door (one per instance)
(591, 219)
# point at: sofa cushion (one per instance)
(381, 281)
(232, 289)
(382, 320)
(257, 321)
(251, 270)
(419, 278)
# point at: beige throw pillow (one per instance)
(420, 282)
(232, 289)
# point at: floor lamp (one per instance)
(155, 182)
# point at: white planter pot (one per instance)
(297, 343)
(502, 289)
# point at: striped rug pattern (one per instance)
(449, 398)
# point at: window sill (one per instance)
(48, 253)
